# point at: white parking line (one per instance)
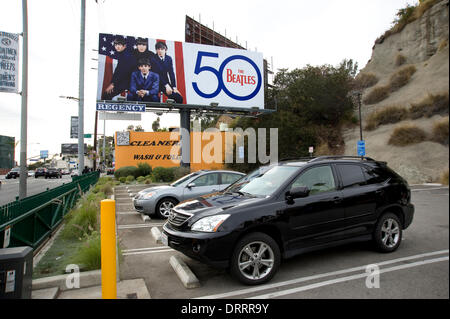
(334, 273)
(161, 250)
(139, 226)
(348, 278)
(427, 189)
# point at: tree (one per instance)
(130, 128)
(155, 125)
(139, 128)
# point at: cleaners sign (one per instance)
(187, 73)
(9, 62)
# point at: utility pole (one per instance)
(81, 92)
(24, 110)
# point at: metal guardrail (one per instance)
(31, 220)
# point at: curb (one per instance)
(183, 272)
(87, 279)
(156, 234)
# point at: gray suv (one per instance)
(160, 200)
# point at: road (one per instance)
(10, 187)
(418, 269)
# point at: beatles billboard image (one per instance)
(154, 70)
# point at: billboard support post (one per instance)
(23, 121)
(185, 128)
(81, 92)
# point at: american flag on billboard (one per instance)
(107, 60)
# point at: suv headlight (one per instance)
(210, 223)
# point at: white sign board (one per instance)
(9, 62)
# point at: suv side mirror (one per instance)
(297, 192)
(191, 185)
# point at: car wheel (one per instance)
(164, 207)
(388, 233)
(256, 259)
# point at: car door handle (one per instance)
(337, 200)
(379, 192)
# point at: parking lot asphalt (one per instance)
(418, 269)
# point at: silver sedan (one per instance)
(160, 200)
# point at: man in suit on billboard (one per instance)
(163, 65)
(126, 64)
(144, 85)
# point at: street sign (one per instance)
(361, 146)
(44, 154)
(87, 135)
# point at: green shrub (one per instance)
(148, 181)
(122, 179)
(140, 179)
(401, 77)
(440, 132)
(104, 180)
(377, 94)
(89, 255)
(387, 115)
(406, 135)
(144, 169)
(179, 172)
(126, 171)
(366, 80)
(130, 178)
(429, 106)
(163, 174)
(83, 220)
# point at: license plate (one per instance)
(164, 239)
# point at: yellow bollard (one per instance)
(108, 246)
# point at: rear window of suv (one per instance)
(352, 175)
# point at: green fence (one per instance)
(31, 220)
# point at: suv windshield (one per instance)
(263, 182)
(183, 179)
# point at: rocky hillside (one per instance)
(405, 69)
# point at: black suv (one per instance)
(41, 171)
(53, 172)
(290, 208)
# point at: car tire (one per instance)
(388, 233)
(247, 261)
(164, 206)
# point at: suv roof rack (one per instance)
(322, 158)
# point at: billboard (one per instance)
(71, 148)
(44, 154)
(9, 62)
(154, 70)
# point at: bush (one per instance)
(148, 181)
(387, 115)
(144, 169)
(440, 132)
(130, 178)
(163, 174)
(429, 106)
(140, 179)
(126, 171)
(122, 179)
(401, 77)
(366, 80)
(378, 94)
(89, 255)
(83, 220)
(406, 135)
(179, 172)
(400, 59)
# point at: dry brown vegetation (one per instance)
(401, 77)
(400, 59)
(387, 115)
(377, 94)
(440, 132)
(366, 80)
(406, 135)
(432, 104)
(444, 178)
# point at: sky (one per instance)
(292, 34)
